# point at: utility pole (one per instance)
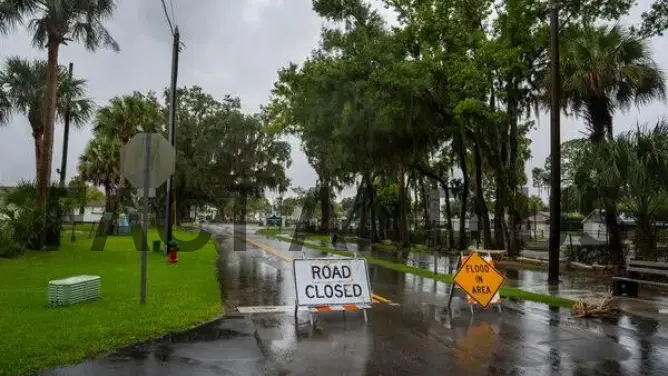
(66, 136)
(555, 148)
(172, 131)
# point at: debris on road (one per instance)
(596, 307)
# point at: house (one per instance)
(538, 224)
(594, 224)
(205, 213)
(91, 213)
(470, 223)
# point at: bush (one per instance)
(8, 246)
(26, 218)
(591, 254)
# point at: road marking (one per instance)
(377, 298)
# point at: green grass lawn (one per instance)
(33, 336)
(79, 227)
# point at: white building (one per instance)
(91, 213)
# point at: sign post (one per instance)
(144, 243)
(332, 284)
(159, 159)
(479, 279)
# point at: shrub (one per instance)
(8, 246)
(591, 254)
(26, 217)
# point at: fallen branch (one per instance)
(581, 265)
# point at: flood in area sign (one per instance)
(479, 279)
(331, 282)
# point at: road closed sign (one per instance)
(330, 282)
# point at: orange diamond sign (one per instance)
(479, 279)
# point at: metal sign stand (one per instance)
(144, 243)
(452, 287)
(363, 309)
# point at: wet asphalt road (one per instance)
(416, 337)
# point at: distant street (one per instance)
(408, 333)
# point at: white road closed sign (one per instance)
(329, 282)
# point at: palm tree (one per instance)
(100, 165)
(640, 162)
(606, 69)
(22, 85)
(126, 116)
(55, 23)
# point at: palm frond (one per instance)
(13, 12)
(604, 69)
(23, 86)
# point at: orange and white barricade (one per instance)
(346, 307)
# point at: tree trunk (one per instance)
(37, 138)
(243, 203)
(448, 217)
(108, 200)
(325, 205)
(121, 185)
(480, 197)
(355, 208)
(461, 150)
(500, 230)
(513, 244)
(645, 241)
(363, 215)
(396, 229)
(372, 206)
(44, 167)
(425, 203)
(403, 210)
(43, 177)
(614, 235)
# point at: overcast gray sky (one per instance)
(232, 47)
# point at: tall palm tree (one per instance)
(55, 23)
(100, 165)
(606, 69)
(22, 85)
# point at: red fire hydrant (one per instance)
(172, 256)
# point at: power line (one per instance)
(169, 21)
(171, 6)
